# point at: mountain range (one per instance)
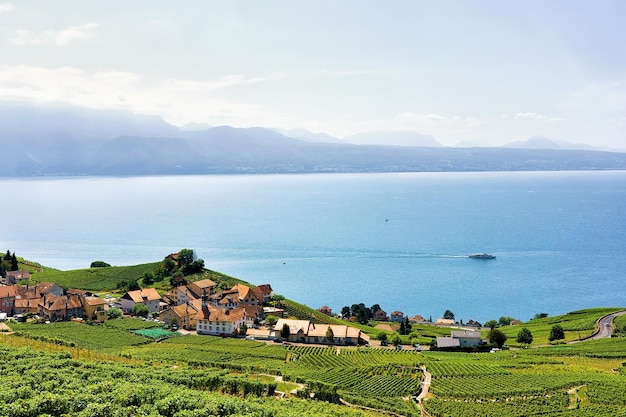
(65, 140)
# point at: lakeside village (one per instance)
(199, 307)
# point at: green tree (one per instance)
(330, 335)
(375, 308)
(140, 310)
(99, 264)
(186, 257)
(14, 265)
(505, 321)
(345, 312)
(556, 333)
(414, 337)
(525, 336)
(402, 330)
(243, 329)
(448, 315)
(540, 316)
(395, 339)
(114, 313)
(382, 336)
(497, 337)
(407, 326)
(284, 332)
(362, 315)
(271, 320)
(491, 324)
(147, 278)
(178, 279)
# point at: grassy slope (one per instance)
(94, 279)
(576, 324)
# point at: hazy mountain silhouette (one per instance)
(66, 140)
(392, 138)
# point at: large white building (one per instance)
(460, 339)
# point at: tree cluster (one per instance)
(8, 262)
(99, 264)
(185, 264)
(503, 321)
(361, 313)
(405, 327)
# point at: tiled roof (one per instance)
(212, 313)
(7, 291)
(448, 342)
(467, 334)
(145, 294)
(26, 302)
(19, 274)
(52, 302)
(95, 301)
(24, 291)
(294, 325)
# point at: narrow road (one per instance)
(424, 392)
(605, 329)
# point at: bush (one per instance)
(140, 310)
(99, 264)
(114, 313)
(497, 337)
(556, 333)
(525, 336)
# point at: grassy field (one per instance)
(106, 369)
(576, 325)
(94, 279)
(53, 384)
(582, 379)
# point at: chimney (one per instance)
(205, 298)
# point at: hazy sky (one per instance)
(487, 72)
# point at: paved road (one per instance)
(605, 328)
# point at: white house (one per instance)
(219, 321)
(460, 339)
(147, 296)
(304, 331)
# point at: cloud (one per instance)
(536, 116)
(53, 37)
(6, 7)
(178, 101)
(207, 86)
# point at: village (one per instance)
(199, 308)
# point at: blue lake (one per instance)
(399, 240)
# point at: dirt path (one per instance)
(424, 392)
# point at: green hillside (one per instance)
(108, 369)
(94, 279)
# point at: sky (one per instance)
(477, 72)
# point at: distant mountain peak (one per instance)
(534, 142)
(307, 135)
(393, 138)
(194, 127)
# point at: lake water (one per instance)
(399, 240)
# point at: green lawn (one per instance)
(576, 324)
(94, 279)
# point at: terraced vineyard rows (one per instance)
(555, 381)
(377, 378)
(35, 383)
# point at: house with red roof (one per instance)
(56, 308)
(147, 296)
